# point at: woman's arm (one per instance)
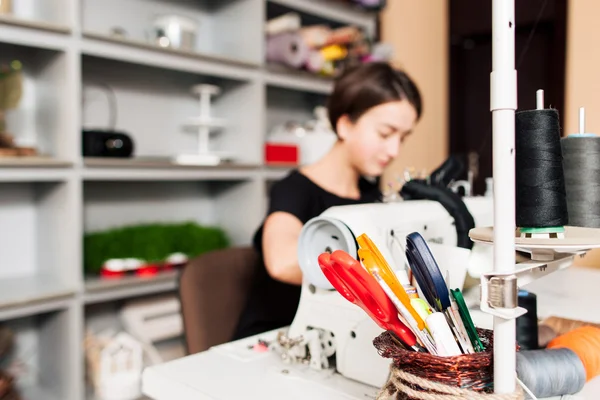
(280, 247)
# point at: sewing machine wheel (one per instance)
(322, 234)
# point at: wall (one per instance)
(418, 31)
(583, 63)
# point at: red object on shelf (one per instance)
(280, 153)
(147, 270)
(106, 273)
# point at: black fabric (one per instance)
(450, 170)
(417, 189)
(273, 304)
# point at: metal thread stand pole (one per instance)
(503, 103)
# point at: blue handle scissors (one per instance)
(427, 273)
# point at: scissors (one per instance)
(430, 280)
(380, 270)
(426, 272)
(373, 259)
(354, 283)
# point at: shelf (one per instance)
(151, 105)
(32, 295)
(139, 52)
(159, 169)
(287, 78)
(42, 117)
(33, 169)
(36, 393)
(274, 173)
(151, 162)
(33, 33)
(33, 162)
(99, 290)
(331, 10)
(33, 24)
(89, 394)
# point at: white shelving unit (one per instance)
(70, 57)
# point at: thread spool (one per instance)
(563, 325)
(581, 163)
(545, 335)
(569, 361)
(550, 373)
(585, 342)
(541, 203)
(287, 48)
(527, 325)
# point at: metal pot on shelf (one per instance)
(174, 31)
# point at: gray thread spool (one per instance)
(551, 372)
(581, 165)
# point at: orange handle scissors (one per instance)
(376, 262)
(354, 283)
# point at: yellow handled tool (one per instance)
(373, 259)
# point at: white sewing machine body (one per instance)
(329, 323)
(337, 228)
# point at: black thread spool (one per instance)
(527, 325)
(541, 202)
(581, 163)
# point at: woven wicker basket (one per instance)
(423, 376)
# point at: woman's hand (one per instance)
(281, 232)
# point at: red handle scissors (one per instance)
(354, 283)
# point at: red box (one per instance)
(279, 153)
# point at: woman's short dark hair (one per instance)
(368, 85)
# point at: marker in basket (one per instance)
(465, 316)
(423, 335)
(444, 339)
(421, 307)
(460, 330)
(457, 324)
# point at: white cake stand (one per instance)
(204, 125)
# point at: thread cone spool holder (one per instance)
(581, 151)
(547, 232)
(499, 289)
(204, 125)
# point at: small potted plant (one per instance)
(11, 92)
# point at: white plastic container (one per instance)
(317, 142)
(116, 367)
(176, 31)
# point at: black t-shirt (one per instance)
(272, 304)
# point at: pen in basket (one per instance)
(433, 286)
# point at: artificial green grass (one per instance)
(150, 242)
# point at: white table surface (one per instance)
(232, 371)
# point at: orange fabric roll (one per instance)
(585, 342)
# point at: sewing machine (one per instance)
(330, 325)
(327, 352)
